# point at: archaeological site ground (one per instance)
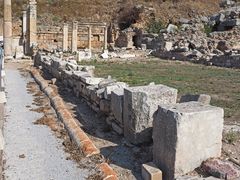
(119, 90)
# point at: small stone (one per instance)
(151, 172)
(220, 169)
(22, 156)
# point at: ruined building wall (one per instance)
(52, 38)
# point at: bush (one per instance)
(208, 29)
(155, 26)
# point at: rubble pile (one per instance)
(202, 39)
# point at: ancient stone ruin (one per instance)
(183, 133)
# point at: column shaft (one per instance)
(65, 37)
(7, 31)
(89, 37)
(105, 38)
(74, 36)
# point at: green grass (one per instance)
(221, 83)
(231, 137)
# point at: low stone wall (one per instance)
(136, 112)
(229, 61)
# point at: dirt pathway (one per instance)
(32, 151)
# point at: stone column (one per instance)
(74, 36)
(24, 30)
(89, 37)
(7, 31)
(32, 31)
(65, 37)
(105, 38)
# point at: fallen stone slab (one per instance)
(221, 169)
(185, 135)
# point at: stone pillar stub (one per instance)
(7, 31)
(74, 36)
(65, 37)
(33, 22)
(105, 37)
(89, 37)
(24, 23)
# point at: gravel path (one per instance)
(31, 151)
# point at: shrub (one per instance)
(208, 29)
(155, 26)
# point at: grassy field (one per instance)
(221, 83)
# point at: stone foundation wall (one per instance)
(143, 112)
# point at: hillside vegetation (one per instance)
(56, 11)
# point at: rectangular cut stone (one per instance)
(112, 87)
(117, 104)
(140, 103)
(91, 80)
(151, 172)
(185, 135)
(80, 74)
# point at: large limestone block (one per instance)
(140, 103)
(185, 135)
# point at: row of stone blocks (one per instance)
(184, 134)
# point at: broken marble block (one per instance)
(185, 135)
(140, 103)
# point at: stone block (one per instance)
(80, 74)
(112, 87)
(202, 98)
(221, 169)
(185, 135)
(117, 128)
(117, 104)
(151, 172)
(106, 82)
(91, 80)
(105, 106)
(140, 103)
